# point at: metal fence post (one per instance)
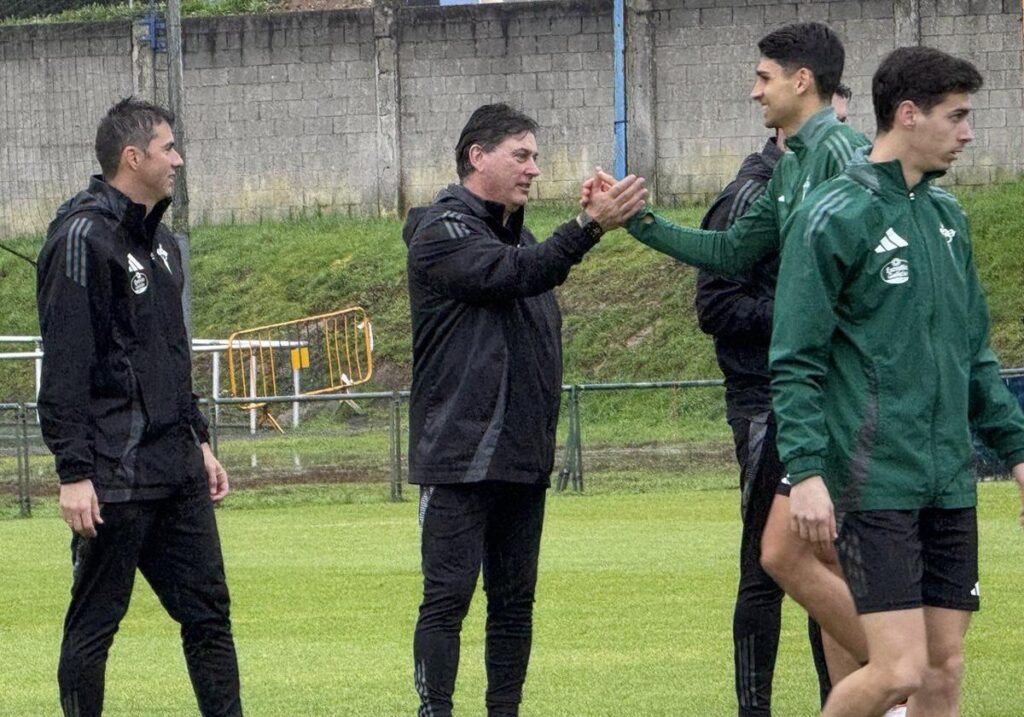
(577, 476)
(24, 497)
(572, 461)
(396, 446)
(214, 415)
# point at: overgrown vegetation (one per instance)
(99, 12)
(628, 311)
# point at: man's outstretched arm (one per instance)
(730, 253)
(478, 268)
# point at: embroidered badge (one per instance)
(896, 271)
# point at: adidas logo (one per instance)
(976, 592)
(139, 282)
(890, 242)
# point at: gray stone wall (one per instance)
(55, 86)
(987, 32)
(705, 53)
(281, 115)
(552, 60)
(358, 111)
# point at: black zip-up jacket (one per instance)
(487, 348)
(115, 402)
(738, 312)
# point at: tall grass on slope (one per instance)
(102, 12)
(628, 310)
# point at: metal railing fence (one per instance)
(357, 438)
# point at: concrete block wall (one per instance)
(705, 55)
(988, 33)
(56, 82)
(281, 115)
(551, 60)
(358, 111)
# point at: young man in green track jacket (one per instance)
(881, 365)
(799, 71)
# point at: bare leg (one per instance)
(899, 661)
(816, 585)
(839, 661)
(939, 696)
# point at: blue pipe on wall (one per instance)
(618, 30)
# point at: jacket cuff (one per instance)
(638, 222)
(800, 469)
(78, 477)
(577, 240)
(201, 431)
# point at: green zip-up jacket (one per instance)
(818, 151)
(880, 356)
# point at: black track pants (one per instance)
(758, 615)
(496, 527)
(174, 544)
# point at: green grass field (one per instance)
(633, 612)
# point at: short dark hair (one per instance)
(130, 122)
(843, 91)
(922, 75)
(807, 44)
(488, 126)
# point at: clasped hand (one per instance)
(611, 203)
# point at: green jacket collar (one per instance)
(812, 131)
(884, 177)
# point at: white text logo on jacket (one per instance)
(139, 280)
(162, 253)
(896, 271)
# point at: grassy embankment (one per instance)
(628, 310)
(102, 12)
(628, 316)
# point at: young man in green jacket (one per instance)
(881, 365)
(799, 71)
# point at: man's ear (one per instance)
(131, 156)
(906, 114)
(803, 81)
(476, 155)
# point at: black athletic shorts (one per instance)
(903, 559)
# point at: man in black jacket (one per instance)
(137, 477)
(487, 374)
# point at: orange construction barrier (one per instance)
(328, 353)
